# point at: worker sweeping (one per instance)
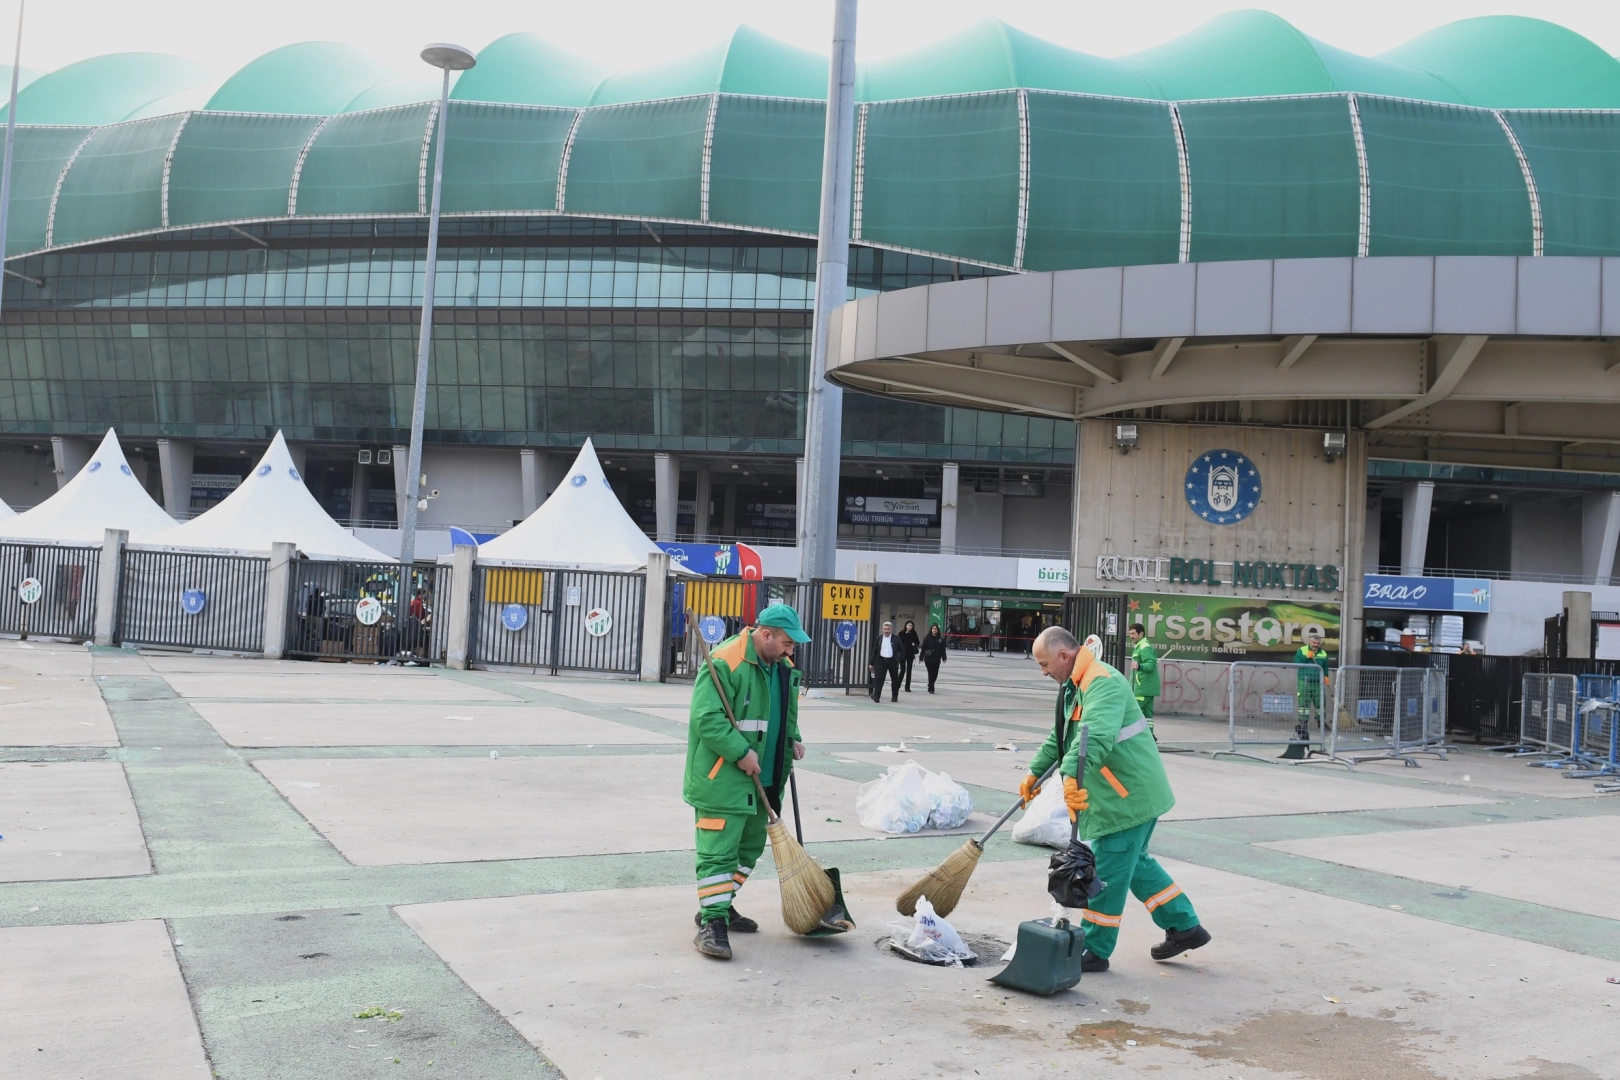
(1145, 670)
(1310, 695)
(1122, 790)
(760, 684)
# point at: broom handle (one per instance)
(1074, 823)
(770, 815)
(798, 821)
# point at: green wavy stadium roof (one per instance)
(747, 62)
(990, 55)
(1511, 62)
(314, 77)
(107, 89)
(526, 69)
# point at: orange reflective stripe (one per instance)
(733, 651)
(1113, 782)
(1100, 919)
(714, 772)
(712, 823)
(712, 890)
(1163, 896)
(740, 879)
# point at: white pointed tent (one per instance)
(6, 511)
(103, 495)
(272, 504)
(582, 526)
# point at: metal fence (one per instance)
(1388, 713)
(708, 610)
(1547, 714)
(188, 600)
(557, 620)
(1597, 744)
(1103, 614)
(358, 611)
(1194, 689)
(48, 590)
(1270, 704)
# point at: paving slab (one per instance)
(406, 724)
(49, 697)
(380, 812)
(1204, 788)
(869, 725)
(68, 819)
(100, 1002)
(616, 691)
(1570, 863)
(1367, 992)
(318, 682)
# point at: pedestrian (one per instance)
(1310, 691)
(1132, 793)
(933, 654)
(1026, 631)
(885, 662)
(908, 638)
(755, 668)
(1145, 681)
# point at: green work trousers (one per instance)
(728, 846)
(1124, 864)
(1146, 704)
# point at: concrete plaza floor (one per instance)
(278, 870)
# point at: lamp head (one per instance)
(449, 57)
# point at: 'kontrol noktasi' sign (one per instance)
(1242, 574)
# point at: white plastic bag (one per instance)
(950, 803)
(896, 802)
(934, 939)
(1046, 819)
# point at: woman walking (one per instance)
(908, 639)
(933, 654)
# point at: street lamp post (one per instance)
(447, 58)
(11, 135)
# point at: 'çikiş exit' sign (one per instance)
(840, 601)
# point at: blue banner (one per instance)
(1471, 595)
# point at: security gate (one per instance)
(557, 620)
(357, 611)
(703, 612)
(1103, 614)
(48, 590)
(187, 600)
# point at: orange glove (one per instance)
(1030, 788)
(1075, 797)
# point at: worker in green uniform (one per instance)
(1309, 700)
(1145, 674)
(760, 683)
(1122, 791)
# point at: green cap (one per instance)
(783, 617)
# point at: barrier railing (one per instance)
(48, 590)
(1597, 719)
(1272, 704)
(1546, 716)
(1194, 689)
(556, 620)
(358, 611)
(1388, 713)
(190, 600)
(716, 607)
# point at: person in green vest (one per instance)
(1310, 693)
(1122, 791)
(1145, 670)
(755, 669)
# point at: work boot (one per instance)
(1090, 961)
(736, 922)
(712, 941)
(1177, 942)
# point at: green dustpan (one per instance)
(836, 919)
(1046, 958)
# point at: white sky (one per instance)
(224, 34)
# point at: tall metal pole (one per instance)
(824, 405)
(448, 58)
(11, 136)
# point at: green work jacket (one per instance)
(713, 781)
(1145, 679)
(1122, 772)
(1319, 657)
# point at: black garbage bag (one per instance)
(1071, 875)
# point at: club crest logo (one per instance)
(1223, 487)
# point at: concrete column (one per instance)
(528, 461)
(402, 473)
(175, 457)
(1600, 529)
(1351, 570)
(1578, 625)
(666, 491)
(359, 492)
(459, 632)
(277, 597)
(798, 500)
(70, 455)
(1416, 501)
(1077, 573)
(866, 571)
(950, 483)
(700, 506)
(107, 581)
(728, 512)
(653, 646)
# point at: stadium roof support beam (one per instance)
(1100, 362)
(1164, 352)
(1455, 356)
(1294, 347)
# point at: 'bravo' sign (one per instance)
(852, 602)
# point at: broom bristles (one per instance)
(943, 884)
(807, 891)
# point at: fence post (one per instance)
(461, 594)
(108, 579)
(652, 617)
(277, 595)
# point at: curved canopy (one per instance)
(582, 526)
(990, 55)
(747, 62)
(1511, 62)
(526, 69)
(311, 77)
(272, 505)
(103, 495)
(107, 89)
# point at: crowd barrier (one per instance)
(1547, 715)
(1388, 714)
(1274, 704)
(51, 590)
(1194, 689)
(1596, 739)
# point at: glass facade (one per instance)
(547, 331)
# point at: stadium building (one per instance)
(1386, 287)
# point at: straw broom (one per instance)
(943, 884)
(807, 891)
